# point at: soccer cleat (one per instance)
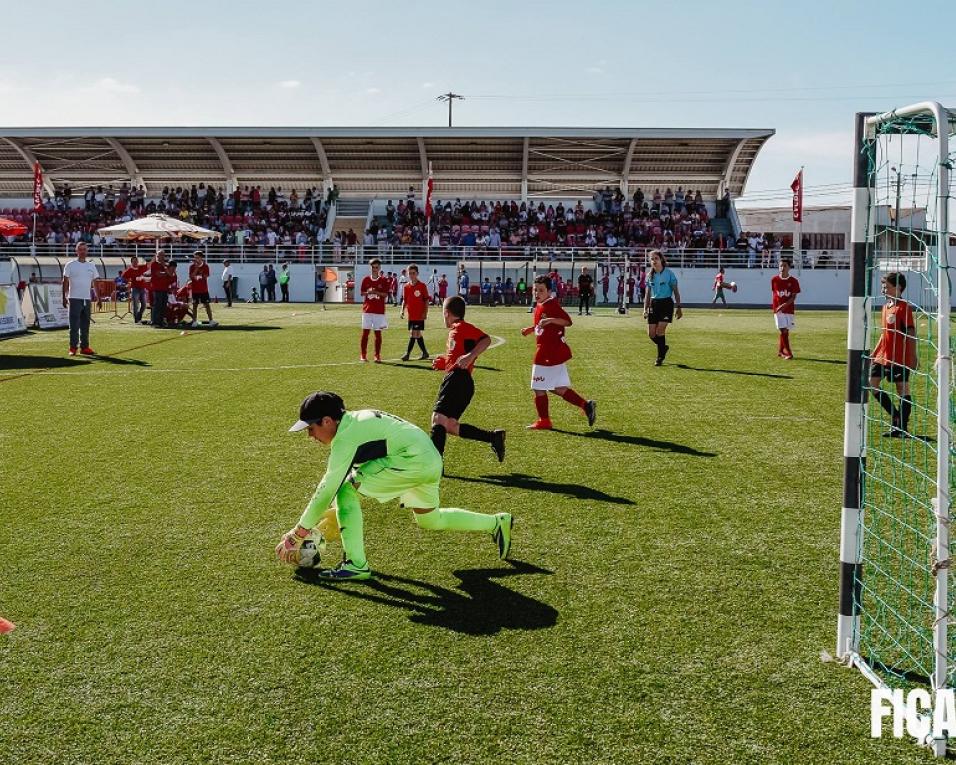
(658, 362)
(502, 533)
(896, 432)
(590, 409)
(540, 425)
(664, 354)
(212, 324)
(346, 571)
(404, 358)
(363, 358)
(498, 444)
(378, 359)
(87, 351)
(72, 351)
(195, 325)
(424, 357)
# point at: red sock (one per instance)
(573, 398)
(364, 341)
(378, 343)
(780, 343)
(541, 404)
(786, 342)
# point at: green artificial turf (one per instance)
(674, 575)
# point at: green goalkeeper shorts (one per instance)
(413, 479)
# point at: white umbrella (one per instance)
(157, 226)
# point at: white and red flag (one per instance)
(37, 187)
(429, 186)
(797, 187)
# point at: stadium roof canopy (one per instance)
(375, 162)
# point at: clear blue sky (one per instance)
(802, 68)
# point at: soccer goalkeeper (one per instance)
(382, 456)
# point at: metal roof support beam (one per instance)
(729, 169)
(30, 158)
(135, 177)
(524, 168)
(626, 170)
(423, 156)
(227, 167)
(323, 163)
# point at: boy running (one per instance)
(465, 344)
(549, 371)
(374, 290)
(784, 290)
(894, 357)
(415, 300)
(382, 456)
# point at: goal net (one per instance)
(895, 602)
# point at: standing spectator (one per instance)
(199, 284)
(264, 283)
(392, 296)
(273, 280)
(463, 284)
(159, 281)
(284, 282)
(432, 285)
(585, 291)
(442, 289)
(78, 276)
(227, 278)
(606, 282)
(137, 287)
(486, 292)
(631, 285)
(521, 289)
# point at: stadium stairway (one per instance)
(350, 214)
(723, 226)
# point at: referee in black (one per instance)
(585, 292)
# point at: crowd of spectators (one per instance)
(248, 216)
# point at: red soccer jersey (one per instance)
(552, 348)
(134, 276)
(374, 303)
(898, 342)
(197, 278)
(462, 339)
(415, 297)
(782, 290)
(158, 276)
(718, 281)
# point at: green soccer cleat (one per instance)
(346, 571)
(502, 534)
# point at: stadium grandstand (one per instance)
(304, 187)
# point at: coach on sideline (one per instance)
(78, 276)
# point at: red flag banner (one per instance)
(797, 187)
(429, 186)
(37, 187)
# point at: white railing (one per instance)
(329, 254)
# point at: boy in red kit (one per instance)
(784, 290)
(549, 372)
(415, 300)
(198, 276)
(894, 357)
(374, 291)
(465, 344)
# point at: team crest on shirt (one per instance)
(891, 319)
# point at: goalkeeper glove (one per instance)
(290, 546)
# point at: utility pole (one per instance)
(449, 97)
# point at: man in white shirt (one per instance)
(78, 276)
(227, 281)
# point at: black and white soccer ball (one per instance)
(310, 554)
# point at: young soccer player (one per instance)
(374, 290)
(784, 289)
(198, 280)
(719, 288)
(661, 303)
(894, 357)
(465, 344)
(415, 301)
(382, 456)
(549, 372)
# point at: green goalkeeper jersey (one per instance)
(364, 435)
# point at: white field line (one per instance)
(498, 341)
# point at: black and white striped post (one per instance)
(854, 432)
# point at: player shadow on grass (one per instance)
(839, 362)
(477, 606)
(533, 483)
(651, 443)
(427, 366)
(57, 362)
(734, 372)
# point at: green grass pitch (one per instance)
(674, 578)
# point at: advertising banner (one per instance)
(11, 317)
(43, 306)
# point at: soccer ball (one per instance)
(311, 551)
(733, 286)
